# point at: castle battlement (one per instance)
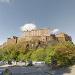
(41, 35)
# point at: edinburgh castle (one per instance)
(42, 35)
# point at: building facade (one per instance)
(41, 35)
(12, 40)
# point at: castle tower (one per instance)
(12, 40)
(63, 37)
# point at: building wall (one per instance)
(37, 32)
(12, 40)
(40, 38)
(63, 37)
(44, 35)
(41, 35)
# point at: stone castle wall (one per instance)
(37, 32)
(12, 40)
(63, 37)
(41, 35)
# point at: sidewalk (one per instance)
(64, 71)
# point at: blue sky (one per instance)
(58, 14)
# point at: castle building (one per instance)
(12, 40)
(40, 35)
(63, 37)
(37, 32)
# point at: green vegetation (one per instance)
(63, 52)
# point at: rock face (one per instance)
(43, 35)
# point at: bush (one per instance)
(65, 53)
(39, 55)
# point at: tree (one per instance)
(65, 53)
(39, 55)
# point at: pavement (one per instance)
(64, 71)
(41, 70)
(30, 70)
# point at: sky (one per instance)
(58, 14)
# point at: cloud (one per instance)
(54, 31)
(28, 27)
(6, 1)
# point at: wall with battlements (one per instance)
(12, 40)
(41, 35)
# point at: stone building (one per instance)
(39, 35)
(44, 35)
(36, 32)
(12, 40)
(63, 37)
